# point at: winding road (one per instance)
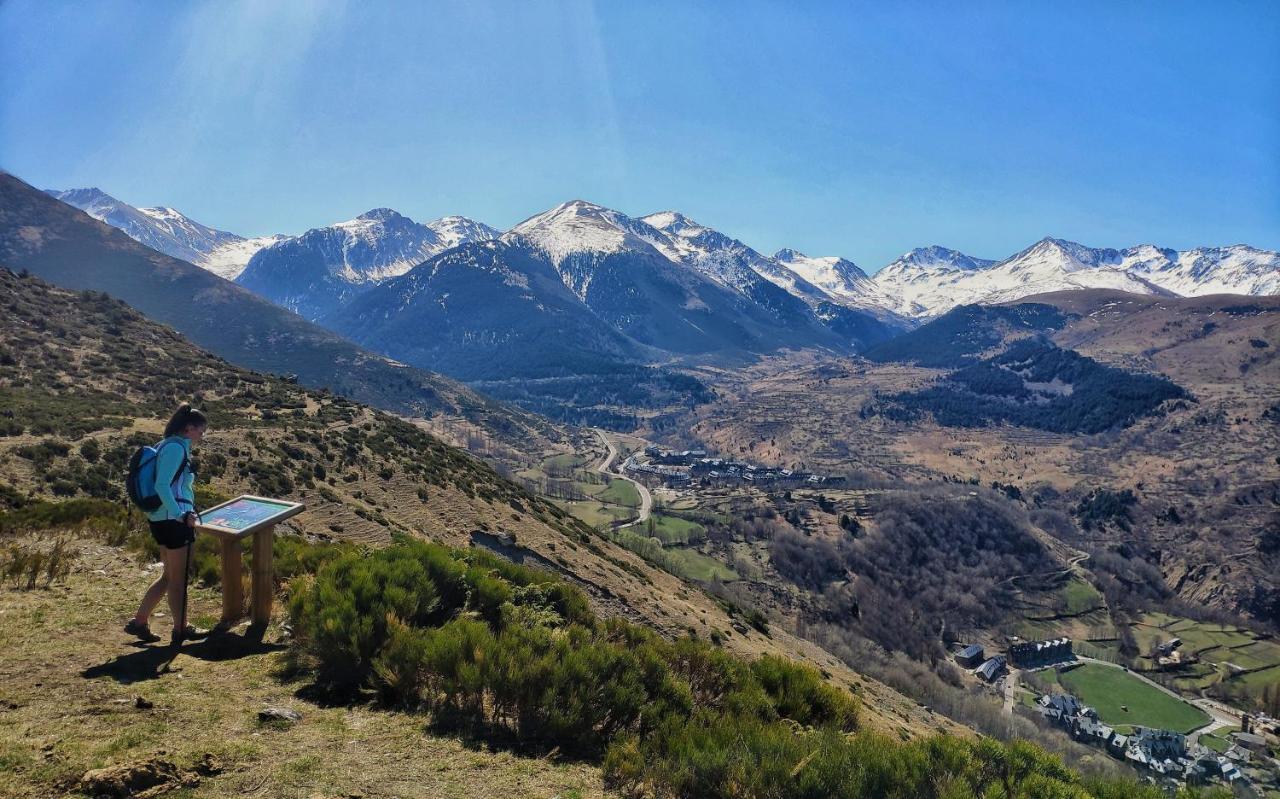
(605, 467)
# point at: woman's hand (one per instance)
(189, 519)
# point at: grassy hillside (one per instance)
(85, 377)
(419, 670)
(69, 248)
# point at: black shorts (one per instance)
(172, 534)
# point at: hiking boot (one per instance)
(141, 631)
(190, 632)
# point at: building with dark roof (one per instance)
(1032, 654)
(971, 656)
(992, 669)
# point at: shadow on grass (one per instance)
(150, 662)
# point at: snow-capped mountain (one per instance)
(921, 279)
(931, 281)
(840, 279)
(580, 289)
(456, 230)
(170, 232)
(711, 269)
(724, 259)
(665, 289)
(325, 267)
(314, 273)
(1238, 269)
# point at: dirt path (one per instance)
(605, 467)
(1011, 691)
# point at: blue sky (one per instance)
(854, 129)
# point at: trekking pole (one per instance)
(180, 632)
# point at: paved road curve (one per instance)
(605, 467)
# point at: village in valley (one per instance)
(1225, 747)
(693, 465)
(1055, 661)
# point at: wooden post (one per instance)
(232, 580)
(262, 579)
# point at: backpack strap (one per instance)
(186, 464)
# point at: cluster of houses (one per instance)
(1023, 654)
(1163, 754)
(693, 464)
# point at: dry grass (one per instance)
(69, 679)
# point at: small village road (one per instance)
(1011, 691)
(605, 467)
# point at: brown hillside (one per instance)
(86, 376)
(1212, 460)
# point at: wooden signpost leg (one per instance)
(262, 569)
(232, 581)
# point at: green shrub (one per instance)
(800, 694)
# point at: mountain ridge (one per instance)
(54, 240)
(325, 267)
(920, 284)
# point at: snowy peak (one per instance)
(838, 267)
(381, 215)
(1051, 254)
(1235, 269)
(673, 222)
(839, 278)
(579, 227)
(931, 281)
(169, 231)
(455, 231)
(934, 259)
(326, 266)
(93, 201)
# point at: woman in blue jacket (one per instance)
(173, 523)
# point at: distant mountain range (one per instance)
(318, 272)
(582, 287)
(63, 246)
(930, 281)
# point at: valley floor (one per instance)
(70, 678)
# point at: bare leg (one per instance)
(152, 597)
(175, 563)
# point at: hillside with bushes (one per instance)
(85, 379)
(417, 669)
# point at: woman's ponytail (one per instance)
(184, 417)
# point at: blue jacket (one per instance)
(176, 491)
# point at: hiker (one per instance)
(173, 522)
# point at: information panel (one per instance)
(246, 514)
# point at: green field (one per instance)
(620, 492)
(1109, 690)
(566, 461)
(673, 529)
(697, 566)
(1080, 596)
(595, 513)
(1219, 740)
(1217, 646)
